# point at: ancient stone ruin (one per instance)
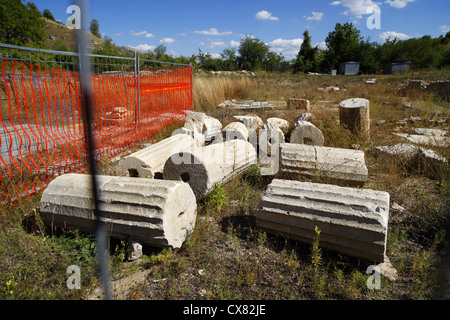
(153, 198)
(354, 115)
(345, 166)
(351, 221)
(216, 163)
(159, 213)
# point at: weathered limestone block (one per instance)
(269, 136)
(252, 122)
(235, 130)
(295, 103)
(216, 163)
(307, 133)
(428, 140)
(351, 221)
(208, 126)
(212, 129)
(195, 121)
(355, 115)
(155, 212)
(341, 165)
(199, 138)
(149, 162)
(430, 132)
(307, 116)
(414, 157)
(278, 122)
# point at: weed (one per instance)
(316, 251)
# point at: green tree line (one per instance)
(23, 24)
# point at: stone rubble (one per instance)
(247, 105)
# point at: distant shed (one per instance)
(399, 67)
(350, 68)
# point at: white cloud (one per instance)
(265, 15)
(167, 40)
(392, 34)
(214, 32)
(398, 3)
(235, 44)
(316, 16)
(215, 44)
(142, 33)
(356, 7)
(444, 28)
(215, 55)
(118, 34)
(143, 47)
(288, 47)
(321, 45)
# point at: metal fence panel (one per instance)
(41, 112)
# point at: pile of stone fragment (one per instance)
(153, 198)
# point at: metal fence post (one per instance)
(138, 90)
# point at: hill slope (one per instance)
(59, 37)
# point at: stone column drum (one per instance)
(207, 166)
(149, 162)
(155, 212)
(351, 221)
(338, 165)
(355, 115)
(306, 133)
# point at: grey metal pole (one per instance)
(138, 90)
(101, 235)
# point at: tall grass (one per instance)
(211, 91)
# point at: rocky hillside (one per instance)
(59, 37)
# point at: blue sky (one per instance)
(186, 26)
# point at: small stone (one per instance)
(396, 206)
(135, 251)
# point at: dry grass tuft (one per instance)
(211, 91)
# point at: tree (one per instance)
(230, 59)
(307, 56)
(20, 24)
(48, 14)
(370, 57)
(32, 6)
(95, 28)
(343, 44)
(252, 53)
(207, 62)
(160, 51)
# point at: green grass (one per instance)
(227, 256)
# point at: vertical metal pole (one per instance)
(100, 228)
(138, 90)
(192, 86)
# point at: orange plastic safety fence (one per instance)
(42, 126)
